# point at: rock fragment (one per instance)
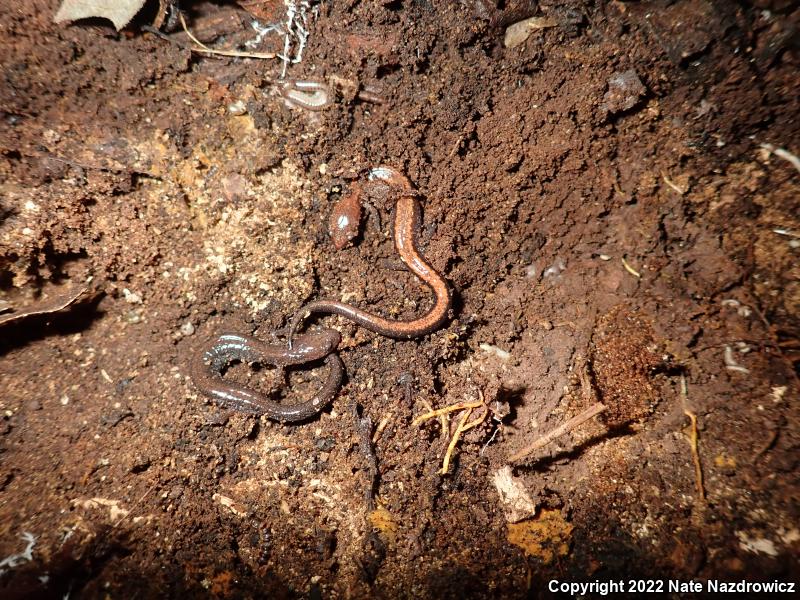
(625, 89)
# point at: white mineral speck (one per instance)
(237, 108)
(131, 297)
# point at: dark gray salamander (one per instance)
(209, 364)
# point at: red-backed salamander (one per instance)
(407, 220)
(207, 368)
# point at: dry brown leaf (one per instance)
(46, 305)
(119, 12)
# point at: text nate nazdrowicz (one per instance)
(638, 586)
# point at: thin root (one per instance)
(679, 190)
(698, 469)
(630, 269)
(232, 53)
(476, 421)
(443, 419)
(782, 153)
(464, 424)
(448, 409)
(462, 427)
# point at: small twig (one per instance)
(698, 468)
(575, 422)
(160, 34)
(589, 392)
(457, 146)
(364, 428)
(232, 53)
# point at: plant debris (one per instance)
(48, 305)
(517, 33)
(119, 12)
(515, 499)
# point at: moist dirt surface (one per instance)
(601, 189)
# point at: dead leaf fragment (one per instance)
(119, 12)
(46, 305)
(518, 32)
(230, 504)
(515, 498)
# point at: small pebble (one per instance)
(237, 108)
(187, 328)
(131, 297)
(139, 463)
(624, 91)
(325, 444)
(235, 187)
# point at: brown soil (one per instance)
(620, 132)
